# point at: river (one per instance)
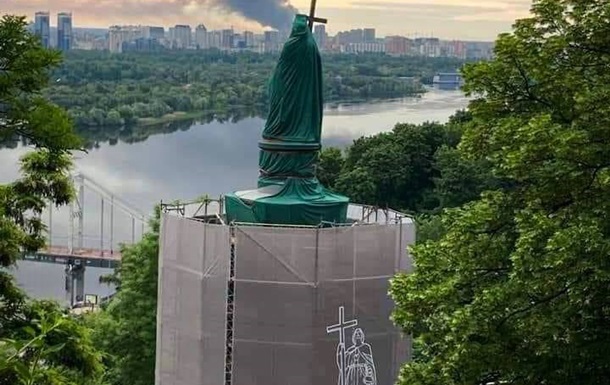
(211, 158)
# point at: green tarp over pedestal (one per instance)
(288, 190)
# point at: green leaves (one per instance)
(24, 72)
(126, 329)
(39, 343)
(329, 166)
(516, 289)
(51, 348)
(395, 169)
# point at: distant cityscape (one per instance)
(142, 38)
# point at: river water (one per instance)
(212, 158)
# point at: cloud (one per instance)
(417, 7)
(270, 13)
(462, 10)
(466, 19)
(106, 10)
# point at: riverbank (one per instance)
(168, 118)
(100, 90)
(260, 110)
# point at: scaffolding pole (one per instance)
(50, 224)
(112, 225)
(102, 228)
(71, 240)
(230, 313)
(81, 216)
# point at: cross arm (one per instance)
(312, 15)
(317, 20)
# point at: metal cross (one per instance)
(340, 327)
(312, 15)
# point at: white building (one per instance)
(181, 36)
(201, 37)
(119, 34)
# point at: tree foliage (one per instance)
(39, 343)
(24, 70)
(102, 89)
(126, 329)
(330, 165)
(396, 169)
(517, 291)
(46, 346)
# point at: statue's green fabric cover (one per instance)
(290, 145)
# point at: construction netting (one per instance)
(304, 305)
(192, 302)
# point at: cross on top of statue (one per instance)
(312, 15)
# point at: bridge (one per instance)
(88, 232)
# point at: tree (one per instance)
(24, 72)
(398, 166)
(460, 180)
(24, 68)
(126, 329)
(40, 344)
(329, 166)
(48, 347)
(517, 291)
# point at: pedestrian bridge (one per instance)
(88, 232)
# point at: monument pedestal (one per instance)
(295, 201)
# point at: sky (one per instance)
(449, 19)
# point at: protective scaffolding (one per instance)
(248, 304)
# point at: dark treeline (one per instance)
(101, 89)
(413, 168)
(93, 138)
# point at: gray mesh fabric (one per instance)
(192, 302)
(291, 284)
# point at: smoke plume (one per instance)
(277, 14)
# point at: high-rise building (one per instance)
(272, 41)
(42, 28)
(369, 35)
(119, 35)
(249, 39)
(352, 36)
(396, 45)
(319, 33)
(228, 38)
(182, 36)
(215, 39)
(64, 31)
(429, 47)
(201, 37)
(151, 32)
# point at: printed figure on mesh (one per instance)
(356, 364)
(359, 364)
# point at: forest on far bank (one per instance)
(101, 89)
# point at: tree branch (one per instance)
(542, 301)
(530, 94)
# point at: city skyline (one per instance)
(459, 19)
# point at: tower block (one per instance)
(286, 283)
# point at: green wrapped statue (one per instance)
(288, 191)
